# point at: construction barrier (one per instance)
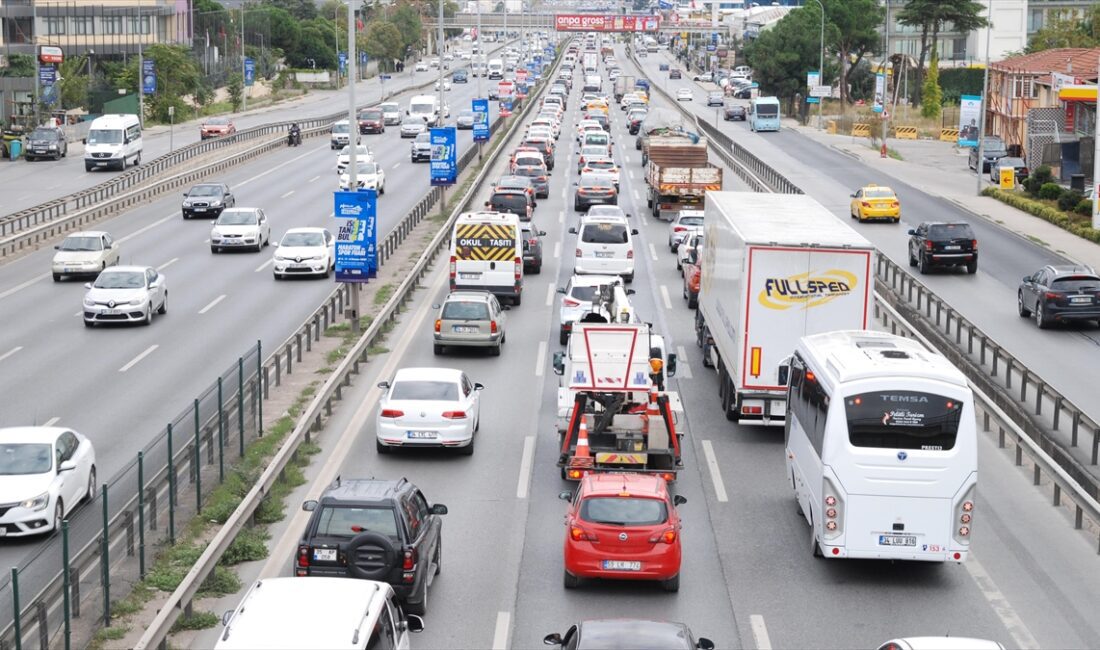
(831, 127)
(949, 135)
(859, 130)
(905, 132)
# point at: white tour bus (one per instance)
(881, 448)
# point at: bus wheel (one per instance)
(813, 542)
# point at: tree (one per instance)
(316, 44)
(384, 42)
(930, 103)
(74, 82)
(853, 33)
(781, 56)
(408, 22)
(933, 16)
(301, 9)
(1068, 32)
(19, 65)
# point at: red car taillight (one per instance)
(392, 413)
(1051, 295)
(630, 254)
(579, 534)
(303, 556)
(409, 562)
(580, 253)
(453, 266)
(974, 244)
(569, 302)
(438, 325)
(928, 244)
(454, 415)
(666, 537)
(865, 204)
(492, 327)
(679, 229)
(518, 269)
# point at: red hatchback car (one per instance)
(623, 527)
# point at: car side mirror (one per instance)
(679, 500)
(57, 248)
(911, 232)
(559, 363)
(1027, 278)
(575, 184)
(552, 639)
(479, 387)
(572, 231)
(84, 141)
(439, 509)
(703, 643)
(670, 368)
(406, 111)
(87, 285)
(629, 215)
(486, 204)
(853, 195)
(185, 195)
(565, 495)
(66, 466)
(414, 623)
(633, 231)
(561, 290)
(309, 506)
(384, 384)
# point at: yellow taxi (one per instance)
(875, 202)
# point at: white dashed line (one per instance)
(287, 194)
(526, 460)
(396, 165)
(500, 633)
(266, 264)
(561, 216)
(314, 178)
(146, 228)
(19, 287)
(540, 359)
(10, 352)
(136, 360)
(213, 302)
(52, 421)
(549, 295)
(168, 263)
(637, 196)
(557, 250)
(682, 367)
(631, 172)
(760, 632)
(1004, 610)
(664, 297)
(653, 252)
(715, 472)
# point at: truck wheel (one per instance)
(693, 302)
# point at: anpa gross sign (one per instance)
(606, 23)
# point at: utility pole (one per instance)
(885, 76)
(981, 119)
(478, 68)
(140, 76)
(353, 142)
(439, 51)
(244, 88)
(1095, 153)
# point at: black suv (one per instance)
(1057, 294)
(375, 530)
(935, 243)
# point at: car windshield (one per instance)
(465, 310)
(205, 190)
(993, 144)
(339, 128)
(371, 115)
(529, 171)
(1011, 162)
(359, 149)
(514, 203)
(217, 121)
(389, 107)
(584, 293)
(368, 168)
(593, 151)
(879, 193)
(1076, 283)
(596, 181)
(82, 243)
(595, 138)
(44, 134)
(345, 521)
(237, 218)
(466, 114)
(413, 121)
(303, 239)
(604, 233)
(600, 164)
(624, 511)
(425, 138)
(767, 110)
(441, 391)
(691, 221)
(105, 136)
(120, 280)
(25, 458)
(950, 231)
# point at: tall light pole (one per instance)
(140, 74)
(885, 76)
(985, 106)
(244, 88)
(821, 68)
(480, 55)
(439, 51)
(353, 143)
(1095, 165)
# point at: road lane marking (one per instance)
(500, 634)
(525, 461)
(287, 194)
(314, 178)
(277, 167)
(637, 196)
(266, 264)
(550, 295)
(561, 216)
(10, 352)
(212, 304)
(557, 249)
(140, 231)
(52, 421)
(760, 632)
(19, 287)
(136, 360)
(1011, 620)
(682, 367)
(564, 193)
(168, 263)
(540, 359)
(653, 251)
(396, 165)
(664, 297)
(715, 473)
(631, 172)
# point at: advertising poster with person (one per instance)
(970, 113)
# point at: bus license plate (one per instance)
(621, 565)
(897, 540)
(324, 554)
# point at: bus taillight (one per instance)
(964, 514)
(834, 510)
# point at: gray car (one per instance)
(465, 120)
(993, 149)
(421, 149)
(46, 142)
(207, 200)
(532, 247)
(470, 319)
(716, 98)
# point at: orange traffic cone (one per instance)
(651, 409)
(582, 457)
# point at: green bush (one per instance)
(1069, 200)
(1043, 174)
(1050, 191)
(1070, 223)
(1083, 208)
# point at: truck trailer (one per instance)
(775, 268)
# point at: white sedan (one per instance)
(305, 251)
(45, 472)
(368, 176)
(362, 154)
(125, 294)
(428, 407)
(446, 85)
(84, 253)
(238, 228)
(420, 66)
(684, 95)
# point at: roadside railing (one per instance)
(111, 543)
(311, 419)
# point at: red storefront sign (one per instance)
(606, 23)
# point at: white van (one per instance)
(425, 107)
(487, 254)
(605, 246)
(112, 141)
(496, 69)
(341, 135)
(356, 614)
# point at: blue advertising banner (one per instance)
(444, 164)
(481, 120)
(47, 74)
(148, 76)
(249, 72)
(343, 56)
(357, 235)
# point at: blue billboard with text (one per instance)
(444, 161)
(357, 235)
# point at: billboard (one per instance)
(606, 23)
(970, 113)
(249, 72)
(357, 234)
(148, 76)
(444, 166)
(481, 120)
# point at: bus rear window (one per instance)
(902, 420)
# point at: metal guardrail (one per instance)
(189, 455)
(321, 405)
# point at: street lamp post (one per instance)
(353, 143)
(244, 88)
(821, 67)
(985, 107)
(140, 74)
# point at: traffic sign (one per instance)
(821, 91)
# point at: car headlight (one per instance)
(53, 146)
(214, 234)
(37, 503)
(88, 302)
(215, 203)
(187, 203)
(136, 301)
(280, 258)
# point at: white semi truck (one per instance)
(776, 267)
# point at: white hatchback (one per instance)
(605, 246)
(369, 176)
(125, 294)
(577, 299)
(682, 225)
(305, 251)
(428, 407)
(45, 472)
(240, 228)
(362, 154)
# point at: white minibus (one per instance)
(881, 445)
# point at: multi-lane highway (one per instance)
(121, 385)
(749, 579)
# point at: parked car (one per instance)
(46, 473)
(46, 142)
(936, 243)
(84, 253)
(207, 200)
(993, 149)
(1059, 294)
(1018, 165)
(470, 319)
(375, 529)
(216, 127)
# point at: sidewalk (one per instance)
(940, 169)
